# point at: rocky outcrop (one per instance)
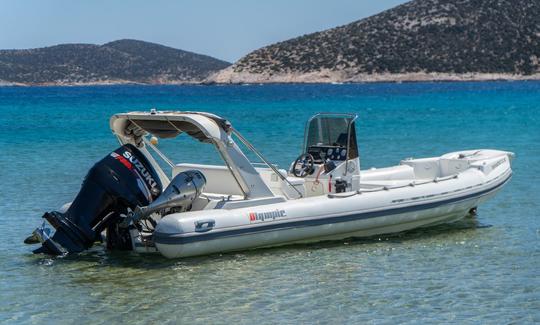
(419, 40)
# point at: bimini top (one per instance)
(202, 126)
(205, 127)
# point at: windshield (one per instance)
(325, 130)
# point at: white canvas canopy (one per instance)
(202, 126)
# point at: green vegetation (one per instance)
(447, 36)
(119, 61)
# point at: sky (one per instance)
(226, 29)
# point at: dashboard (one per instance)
(321, 153)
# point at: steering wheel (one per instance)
(303, 165)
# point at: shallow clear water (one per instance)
(480, 270)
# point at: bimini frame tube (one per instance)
(259, 154)
(206, 128)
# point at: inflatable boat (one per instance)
(136, 198)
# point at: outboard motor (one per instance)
(179, 194)
(121, 181)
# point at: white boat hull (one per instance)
(331, 217)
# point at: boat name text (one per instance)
(265, 216)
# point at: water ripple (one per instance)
(480, 270)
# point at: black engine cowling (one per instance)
(123, 179)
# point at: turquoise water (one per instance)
(484, 269)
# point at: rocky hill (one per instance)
(419, 40)
(123, 61)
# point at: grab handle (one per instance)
(204, 225)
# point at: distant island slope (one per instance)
(123, 61)
(419, 40)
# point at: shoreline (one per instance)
(229, 76)
(4, 83)
(325, 77)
